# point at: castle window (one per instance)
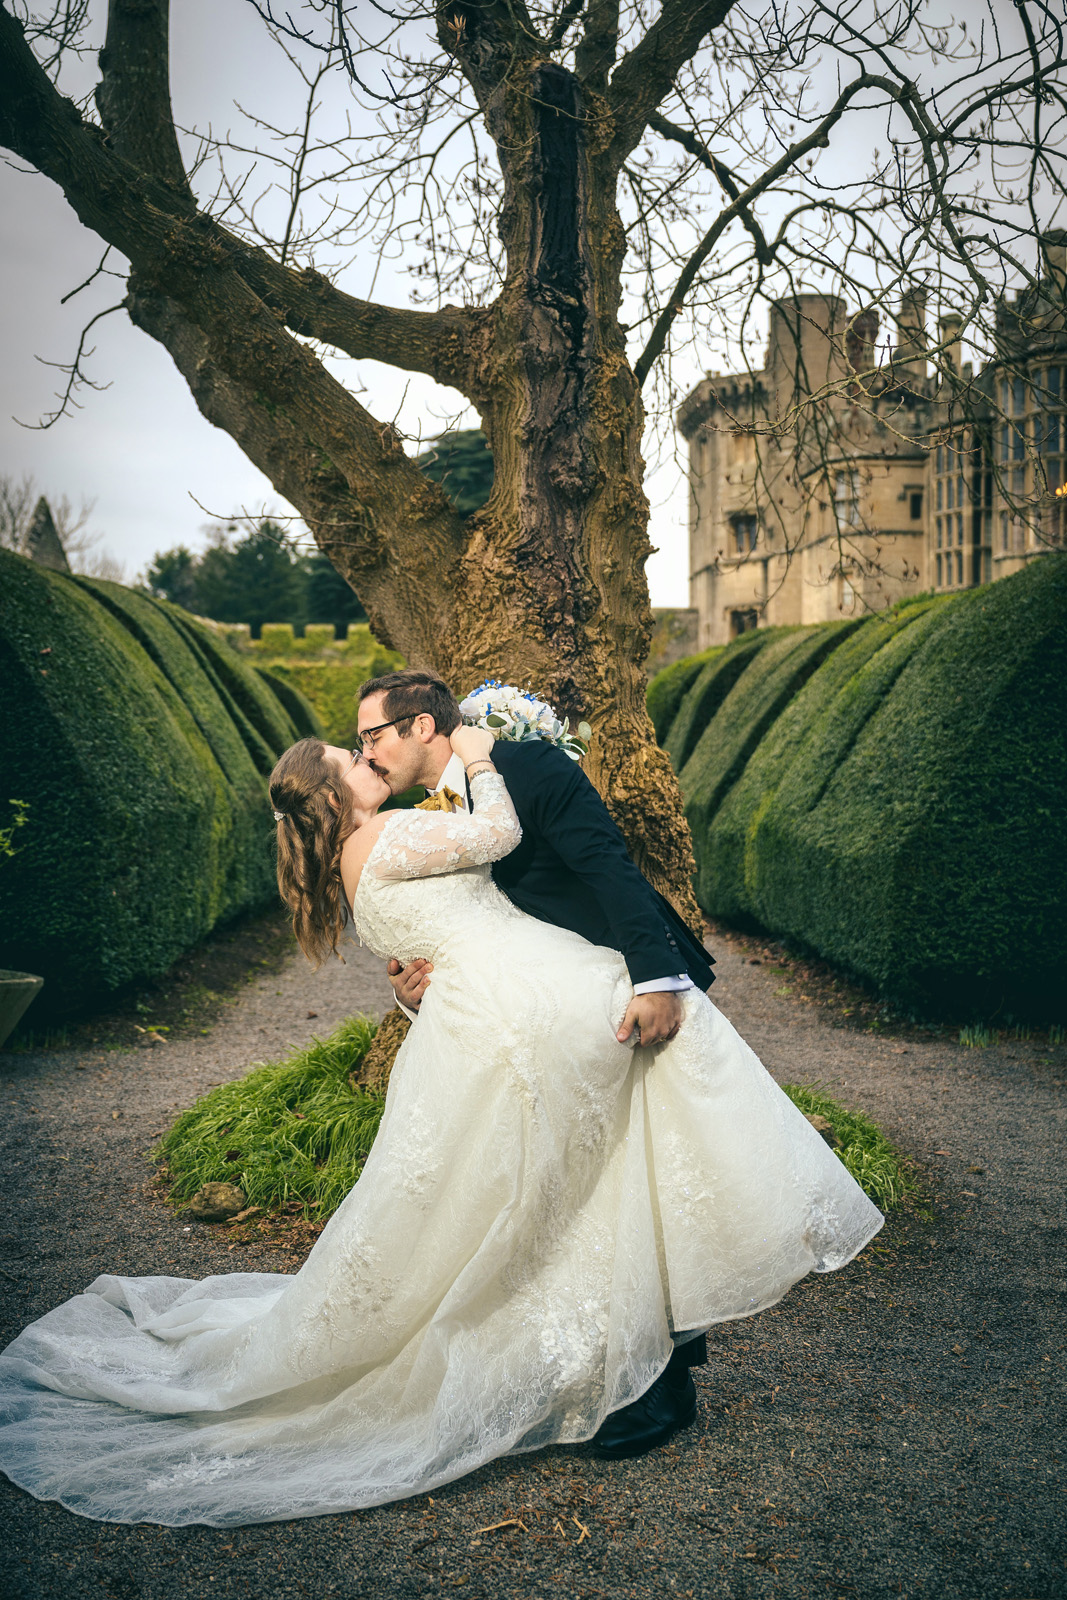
(743, 622)
(846, 500)
(1004, 526)
(746, 533)
(940, 483)
(959, 566)
(949, 488)
(959, 528)
(939, 533)
(1047, 433)
(1018, 395)
(916, 504)
(939, 584)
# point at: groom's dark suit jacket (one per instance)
(572, 868)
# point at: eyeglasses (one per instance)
(367, 740)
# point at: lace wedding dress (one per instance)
(541, 1207)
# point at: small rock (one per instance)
(215, 1202)
(824, 1126)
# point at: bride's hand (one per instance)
(472, 744)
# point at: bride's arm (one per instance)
(419, 844)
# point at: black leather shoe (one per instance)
(670, 1404)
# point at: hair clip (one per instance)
(278, 815)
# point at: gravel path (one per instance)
(892, 1430)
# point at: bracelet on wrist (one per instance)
(483, 761)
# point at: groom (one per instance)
(571, 868)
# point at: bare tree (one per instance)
(81, 545)
(571, 173)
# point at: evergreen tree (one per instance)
(258, 579)
(172, 576)
(327, 597)
(462, 463)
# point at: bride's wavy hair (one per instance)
(316, 820)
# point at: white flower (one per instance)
(516, 714)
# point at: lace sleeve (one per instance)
(417, 844)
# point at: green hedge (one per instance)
(327, 674)
(710, 688)
(727, 870)
(668, 688)
(770, 680)
(143, 757)
(901, 809)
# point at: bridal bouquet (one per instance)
(517, 714)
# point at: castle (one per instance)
(891, 483)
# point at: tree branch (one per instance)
(133, 95)
(406, 601)
(264, 385)
(819, 137)
(487, 37)
(146, 216)
(689, 141)
(646, 74)
(595, 56)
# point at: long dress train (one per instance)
(541, 1207)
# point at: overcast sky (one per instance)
(140, 449)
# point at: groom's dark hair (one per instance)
(407, 693)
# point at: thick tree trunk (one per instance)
(551, 587)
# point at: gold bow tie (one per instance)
(445, 799)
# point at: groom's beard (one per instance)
(400, 779)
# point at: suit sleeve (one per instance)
(560, 803)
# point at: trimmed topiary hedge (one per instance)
(762, 692)
(726, 874)
(709, 689)
(901, 810)
(325, 672)
(143, 757)
(668, 688)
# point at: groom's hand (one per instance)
(411, 982)
(658, 1016)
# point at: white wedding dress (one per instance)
(542, 1206)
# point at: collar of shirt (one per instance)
(454, 777)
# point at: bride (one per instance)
(542, 1206)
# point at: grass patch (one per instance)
(295, 1131)
(862, 1147)
(979, 1037)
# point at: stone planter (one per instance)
(17, 989)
